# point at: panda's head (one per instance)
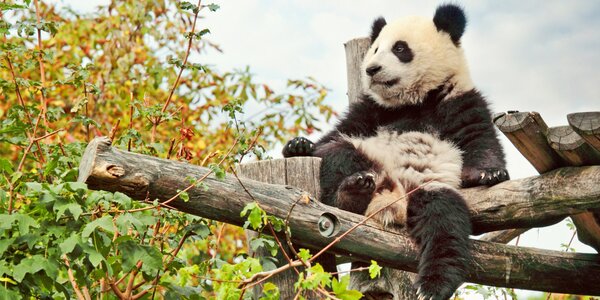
(412, 56)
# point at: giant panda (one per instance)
(420, 123)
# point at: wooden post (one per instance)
(300, 172)
(355, 51)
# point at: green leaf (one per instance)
(104, 223)
(5, 165)
(122, 199)
(6, 293)
(133, 252)
(270, 292)
(126, 221)
(69, 244)
(340, 288)
(316, 277)
(76, 186)
(304, 254)
(184, 196)
(7, 221)
(199, 229)
(25, 222)
(4, 244)
(61, 205)
(374, 269)
(94, 257)
(29, 265)
(213, 7)
(35, 187)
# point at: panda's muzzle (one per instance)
(388, 83)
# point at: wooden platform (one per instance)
(549, 148)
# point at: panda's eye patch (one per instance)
(402, 51)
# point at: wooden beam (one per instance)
(587, 125)
(527, 131)
(572, 147)
(576, 152)
(140, 176)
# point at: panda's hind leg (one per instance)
(438, 221)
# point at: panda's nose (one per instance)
(372, 70)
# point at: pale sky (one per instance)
(539, 56)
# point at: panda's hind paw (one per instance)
(359, 182)
(298, 146)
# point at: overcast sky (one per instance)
(539, 56)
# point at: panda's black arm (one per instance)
(360, 120)
(468, 123)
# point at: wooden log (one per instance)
(587, 125)
(575, 151)
(139, 176)
(503, 236)
(527, 131)
(355, 51)
(572, 147)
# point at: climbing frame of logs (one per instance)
(506, 209)
(549, 148)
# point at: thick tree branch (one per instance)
(528, 202)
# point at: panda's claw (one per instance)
(486, 176)
(298, 146)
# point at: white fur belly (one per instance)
(413, 157)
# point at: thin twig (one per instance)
(171, 148)
(113, 130)
(185, 59)
(288, 239)
(41, 61)
(72, 279)
(22, 102)
(130, 119)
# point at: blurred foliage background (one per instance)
(132, 71)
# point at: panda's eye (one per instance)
(398, 49)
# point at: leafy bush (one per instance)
(126, 72)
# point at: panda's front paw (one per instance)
(487, 176)
(359, 183)
(298, 146)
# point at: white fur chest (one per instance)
(413, 157)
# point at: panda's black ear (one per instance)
(450, 18)
(378, 24)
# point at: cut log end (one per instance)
(86, 166)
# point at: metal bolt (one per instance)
(327, 225)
